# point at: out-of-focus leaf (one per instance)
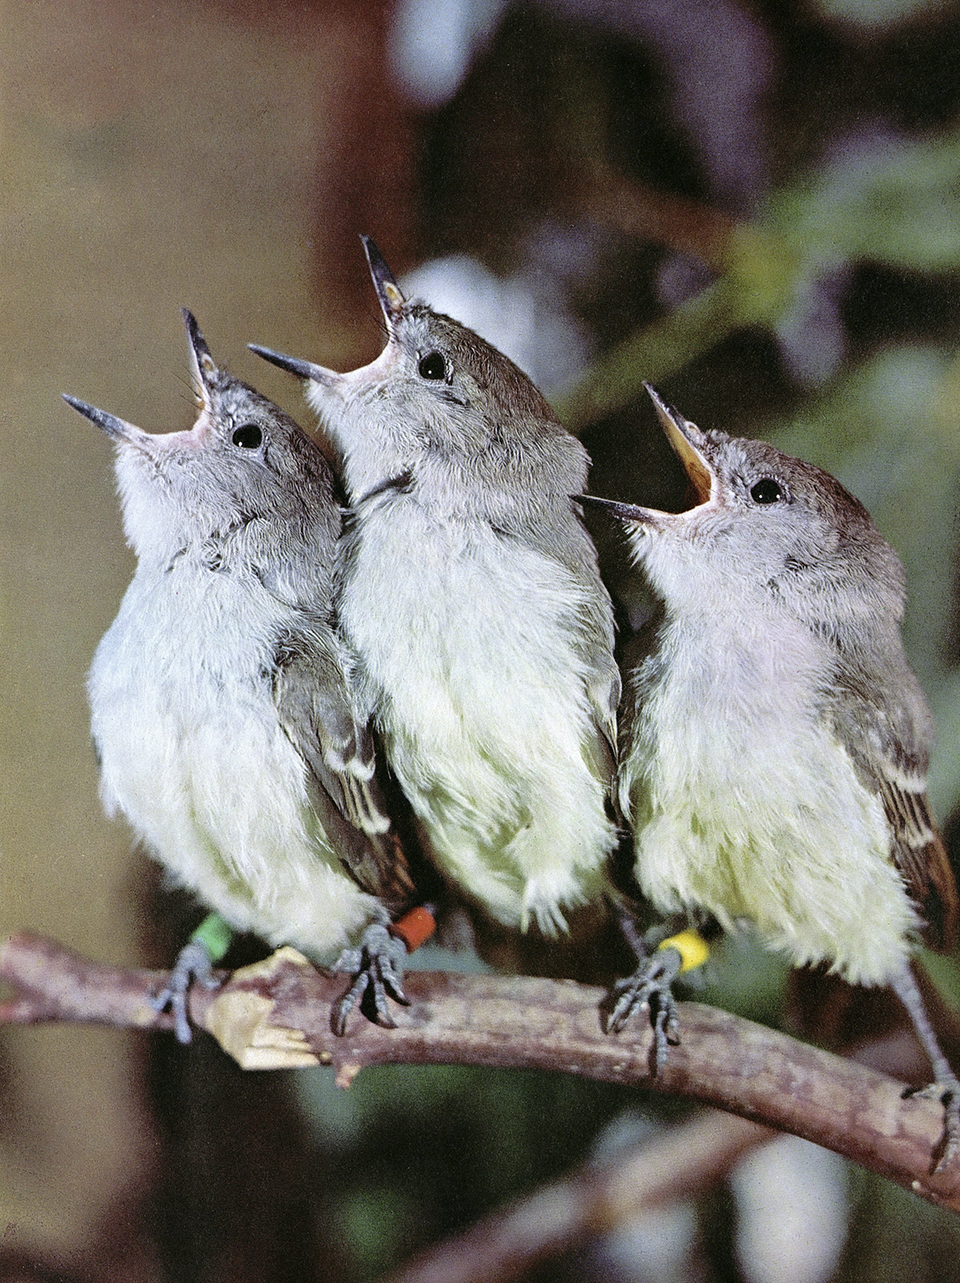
(888, 199)
(944, 780)
(944, 971)
(756, 290)
(744, 977)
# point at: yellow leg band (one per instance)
(691, 946)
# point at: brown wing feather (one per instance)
(318, 713)
(921, 858)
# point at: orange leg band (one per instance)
(414, 927)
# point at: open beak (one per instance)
(391, 301)
(689, 444)
(693, 450)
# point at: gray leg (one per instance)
(946, 1085)
(377, 965)
(193, 963)
(649, 988)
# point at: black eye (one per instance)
(766, 490)
(432, 366)
(248, 437)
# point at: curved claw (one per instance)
(193, 963)
(946, 1084)
(649, 990)
(377, 966)
(948, 1093)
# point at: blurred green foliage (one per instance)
(421, 1152)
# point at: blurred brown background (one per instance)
(153, 156)
(761, 201)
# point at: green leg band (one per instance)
(215, 936)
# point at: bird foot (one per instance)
(948, 1093)
(377, 966)
(194, 962)
(649, 990)
(946, 1084)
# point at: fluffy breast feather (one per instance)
(481, 695)
(192, 752)
(747, 805)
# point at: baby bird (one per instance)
(223, 709)
(471, 596)
(776, 742)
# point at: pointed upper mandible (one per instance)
(388, 291)
(203, 366)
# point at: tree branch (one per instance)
(276, 1014)
(591, 1200)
